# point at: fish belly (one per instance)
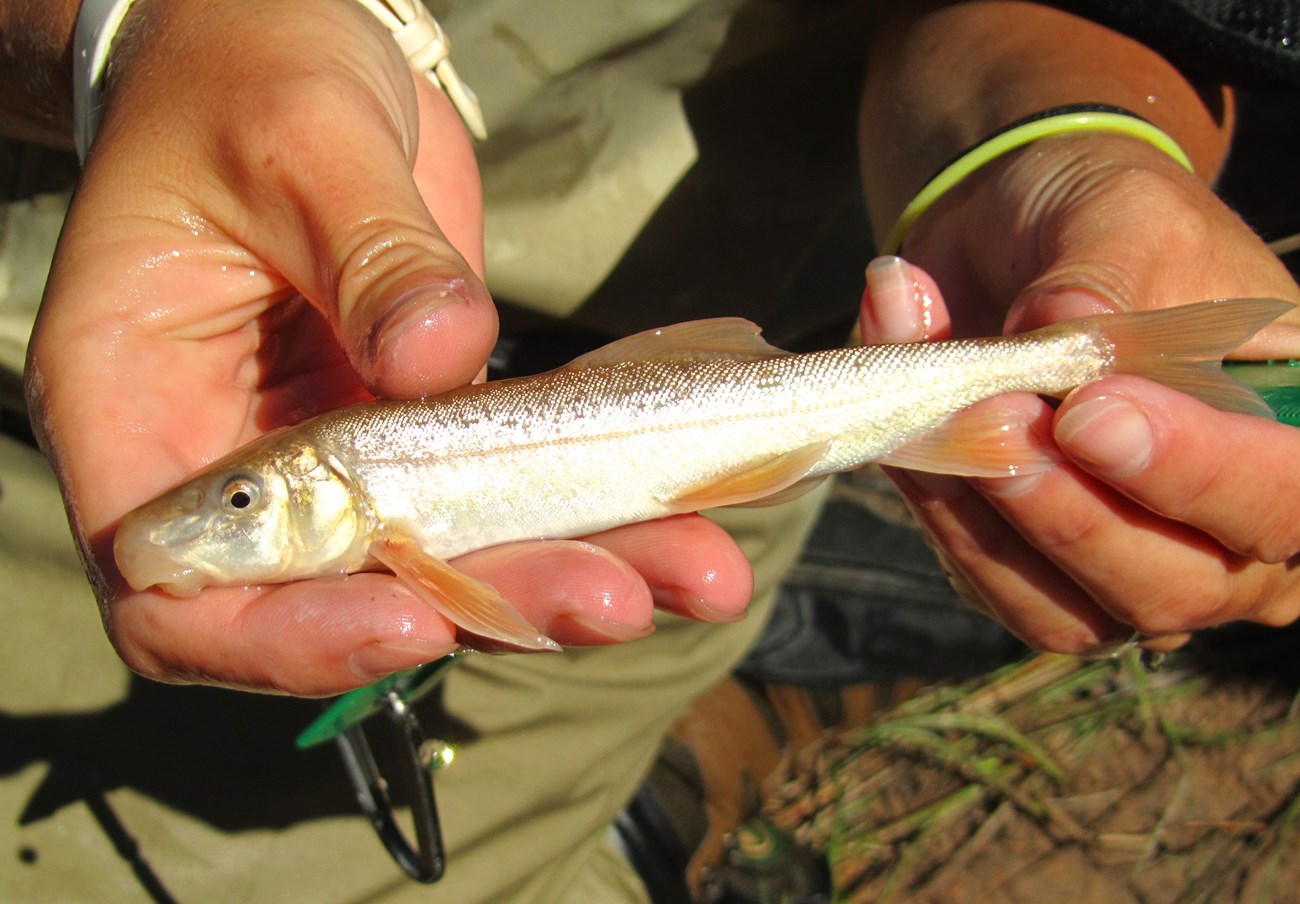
(572, 454)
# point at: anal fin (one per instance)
(987, 441)
(469, 603)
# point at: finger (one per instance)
(345, 222)
(1166, 644)
(990, 566)
(575, 592)
(1159, 575)
(1012, 579)
(303, 151)
(1006, 576)
(901, 303)
(692, 566)
(1156, 575)
(1228, 475)
(608, 584)
(1034, 310)
(328, 635)
(308, 638)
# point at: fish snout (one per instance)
(144, 562)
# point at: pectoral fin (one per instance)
(984, 442)
(469, 603)
(763, 482)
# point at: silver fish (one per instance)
(673, 420)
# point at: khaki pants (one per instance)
(116, 789)
(98, 766)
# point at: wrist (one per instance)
(942, 79)
(192, 78)
(1039, 180)
(1104, 211)
(416, 33)
(36, 104)
(1075, 119)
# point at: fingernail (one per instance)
(1010, 487)
(1109, 433)
(899, 309)
(579, 628)
(1045, 306)
(1111, 648)
(383, 657)
(692, 605)
(407, 311)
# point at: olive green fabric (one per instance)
(567, 739)
(562, 742)
(583, 102)
(113, 788)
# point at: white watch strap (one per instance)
(97, 25)
(417, 33)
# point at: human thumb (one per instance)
(313, 149)
(1062, 298)
(413, 316)
(408, 308)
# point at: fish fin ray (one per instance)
(470, 603)
(1181, 347)
(733, 338)
(987, 441)
(753, 483)
(789, 494)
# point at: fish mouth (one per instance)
(146, 563)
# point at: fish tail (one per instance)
(1182, 347)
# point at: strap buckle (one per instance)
(426, 45)
(342, 722)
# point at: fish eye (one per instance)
(240, 494)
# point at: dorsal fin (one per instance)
(722, 337)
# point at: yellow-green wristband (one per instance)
(1047, 124)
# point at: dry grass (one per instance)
(1059, 779)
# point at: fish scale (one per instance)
(661, 423)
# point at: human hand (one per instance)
(1165, 516)
(277, 218)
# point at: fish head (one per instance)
(277, 510)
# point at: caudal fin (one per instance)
(1182, 347)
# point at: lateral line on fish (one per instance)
(425, 469)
